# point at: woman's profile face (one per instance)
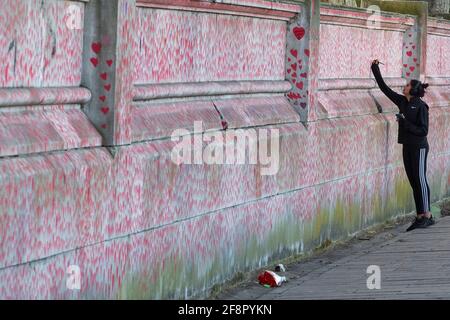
(407, 88)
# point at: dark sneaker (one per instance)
(417, 223)
(422, 222)
(430, 221)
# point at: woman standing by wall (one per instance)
(412, 134)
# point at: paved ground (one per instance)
(413, 265)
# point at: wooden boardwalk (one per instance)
(413, 265)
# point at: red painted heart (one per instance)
(224, 125)
(405, 65)
(415, 59)
(409, 53)
(289, 59)
(412, 68)
(105, 110)
(103, 98)
(303, 75)
(407, 74)
(300, 85)
(307, 52)
(109, 62)
(288, 70)
(107, 87)
(94, 62)
(299, 32)
(96, 47)
(293, 95)
(303, 105)
(413, 47)
(294, 66)
(104, 76)
(294, 75)
(294, 52)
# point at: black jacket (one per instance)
(414, 128)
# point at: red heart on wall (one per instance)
(307, 52)
(288, 70)
(105, 110)
(413, 47)
(407, 74)
(409, 53)
(303, 75)
(104, 76)
(103, 98)
(109, 62)
(411, 68)
(415, 59)
(299, 32)
(303, 105)
(294, 52)
(96, 47)
(224, 125)
(294, 75)
(405, 65)
(107, 87)
(94, 62)
(300, 85)
(293, 95)
(294, 66)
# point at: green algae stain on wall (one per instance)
(184, 276)
(400, 202)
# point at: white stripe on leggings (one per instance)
(423, 184)
(425, 180)
(420, 179)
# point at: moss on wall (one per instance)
(182, 277)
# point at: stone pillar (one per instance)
(302, 55)
(107, 68)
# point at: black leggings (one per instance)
(415, 161)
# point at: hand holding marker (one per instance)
(399, 116)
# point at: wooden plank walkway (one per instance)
(413, 265)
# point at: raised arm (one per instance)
(392, 95)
